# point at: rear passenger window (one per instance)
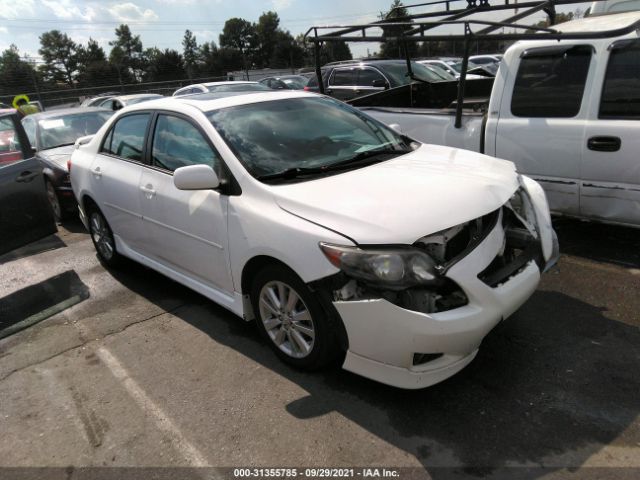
(550, 82)
(177, 143)
(621, 90)
(343, 77)
(126, 138)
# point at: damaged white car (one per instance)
(342, 238)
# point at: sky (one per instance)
(161, 23)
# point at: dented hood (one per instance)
(403, 199)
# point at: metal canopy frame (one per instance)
(416, 25)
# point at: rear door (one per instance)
(610, 183)
(25, 212)
(541, 126)
(115, 178)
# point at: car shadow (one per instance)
(556, 379)
(600, 242)
(74, 225)
(51, 242)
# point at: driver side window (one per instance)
(178, 143)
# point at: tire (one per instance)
(276, 319)
(103, 240)
(54, 201)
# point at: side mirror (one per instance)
(195, 177)
(380, 83)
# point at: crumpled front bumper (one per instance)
(384, 337)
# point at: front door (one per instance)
(610, 183)
(25, 212)
(187, 229)
(541, 124)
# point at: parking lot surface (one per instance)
(145, 372)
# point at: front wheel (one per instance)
(102, 238)
(292, 320)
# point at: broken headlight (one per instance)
(393, 268)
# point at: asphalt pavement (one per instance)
(142, 372)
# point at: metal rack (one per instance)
(415, 27)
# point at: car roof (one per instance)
(230, 82)
(356, 63)
(136, 95)
(206, 102)
(67, 111)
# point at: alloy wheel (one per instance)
(101, 235)
(286, 319)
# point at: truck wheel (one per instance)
(292, 320)
(102, 238)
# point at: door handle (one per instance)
(26, 176)
(96, 171)
(604, 144)
(148, 190)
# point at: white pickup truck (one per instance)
(566, 112)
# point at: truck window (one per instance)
(621, 90)
(550, 82)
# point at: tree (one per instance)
(267, 37)
(238, 34)
(16, 75)
(393, 48)
(93, 67)
(60, 57)
(164, 65)
(286, 52)
(126, 54)
(190, 53)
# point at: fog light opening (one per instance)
(422, 358)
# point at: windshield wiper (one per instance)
(360, 160)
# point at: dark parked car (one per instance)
(53, 134)
(25, 213)
(286, 82)
(347, 80)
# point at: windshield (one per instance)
(66, 129)
(398, 71)
(441, 72)
(240, 87)
(457, 66)
(275, 136)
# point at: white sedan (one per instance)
(342, 238)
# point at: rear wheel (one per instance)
(103, 240)
(292, 320)
(52, 196)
